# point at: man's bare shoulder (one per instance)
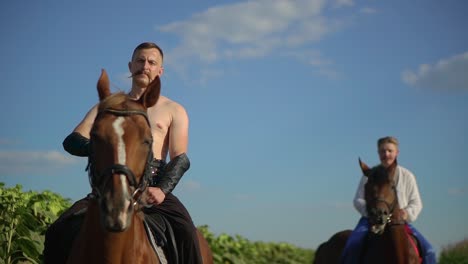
(166, 104)
(84, 127)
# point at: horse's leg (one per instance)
(205, 251)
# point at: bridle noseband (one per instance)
(391, 208)
(97, 180)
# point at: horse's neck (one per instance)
(101, 246)
(400, 245)
(390, 247)
(398, 237)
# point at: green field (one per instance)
(24, 217)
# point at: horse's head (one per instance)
(121, 149)
(380, 195)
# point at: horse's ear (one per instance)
(103, 85)
(152, 93)
(365, 169)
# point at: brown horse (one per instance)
(113, 230)
(388, 240)
(330, 251)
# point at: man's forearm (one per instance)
(76, 144)
(173, 172)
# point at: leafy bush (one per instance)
(24, 217)
(236, 249)
(455, 254)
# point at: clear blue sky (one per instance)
(283, 97)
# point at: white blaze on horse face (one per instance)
(122, 159)
(117, 125)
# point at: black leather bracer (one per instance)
(77, 145)
(173, 172)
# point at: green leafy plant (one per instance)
(239, 250)
(24, 217)
(455, 254)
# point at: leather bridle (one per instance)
(98, 180)
(391, 208)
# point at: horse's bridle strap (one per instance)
(118, 112)
(120, 168)
(391, 208)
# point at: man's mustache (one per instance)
(138, 73)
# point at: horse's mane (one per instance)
(118, 100)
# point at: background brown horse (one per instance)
(388, 241)
(330, 251)
(113, 230)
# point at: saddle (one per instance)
(160, 232)
(414, 242)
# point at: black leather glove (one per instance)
(76, 144)
(173, 172)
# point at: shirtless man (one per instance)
(169, 125)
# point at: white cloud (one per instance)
(249, 29)
(12, 162)
(446, 74)
(315, 59)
